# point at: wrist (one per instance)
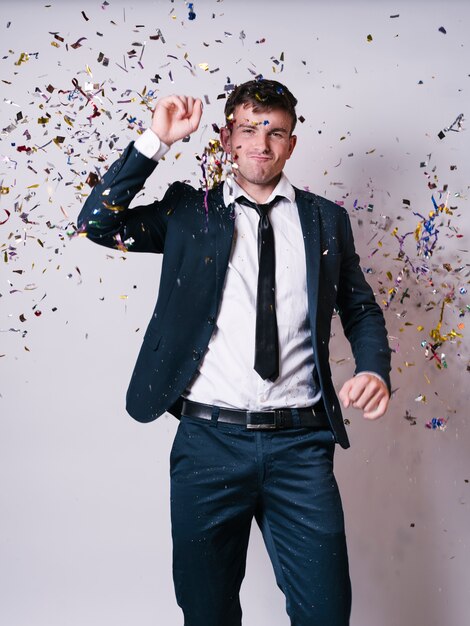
(161, 136)
(151, 145)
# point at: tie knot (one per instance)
(261, 209)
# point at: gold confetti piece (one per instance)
(204, 66)
(4, 190)
(123, 297)
(35, 186)
(114, 207)
(43, 120)
(369, 38)
(23, 58)
(420, 328)
(55, 44)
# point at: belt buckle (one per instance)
(252, 424)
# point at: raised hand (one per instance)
(176, 117)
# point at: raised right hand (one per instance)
(176, 117)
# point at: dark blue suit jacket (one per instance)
(196, 251)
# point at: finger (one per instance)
(344, 393)
(373, 401)
(379, 411)
(182, 106)
(196, 115)
(357, 390)
(170, 102)
(189, 105)
(370, 386)
(189, 112)
(372, 390)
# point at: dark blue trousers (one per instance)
(223, 476)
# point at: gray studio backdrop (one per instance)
(84, 518)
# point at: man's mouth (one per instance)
(260, 157)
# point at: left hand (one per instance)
(365, 392)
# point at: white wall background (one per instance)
(84, 509)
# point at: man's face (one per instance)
(260, 143)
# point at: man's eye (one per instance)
(248, 131)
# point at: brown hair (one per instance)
(262, 94)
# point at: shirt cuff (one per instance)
(150, 145)
(372, 374)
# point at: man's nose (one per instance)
(262, 142)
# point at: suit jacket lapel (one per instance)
(311, 229)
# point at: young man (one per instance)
(237, 348)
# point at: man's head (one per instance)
(258, 134)
(262, 95)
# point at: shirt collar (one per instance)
(283, 188)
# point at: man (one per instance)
(238, 348)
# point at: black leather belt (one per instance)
(311, 417)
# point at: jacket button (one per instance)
(211, 320)
(196, 355)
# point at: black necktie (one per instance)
(266, 339)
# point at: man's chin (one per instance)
(262, 179)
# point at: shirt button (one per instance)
(196, 355)
(211, 320)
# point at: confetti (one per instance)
(8, 213)
(437, 423)
(191, 13)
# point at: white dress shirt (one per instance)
(226, 376)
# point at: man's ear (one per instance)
(292, 144)
(225, 139)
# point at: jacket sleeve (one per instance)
(106, 218)
(362, 318)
